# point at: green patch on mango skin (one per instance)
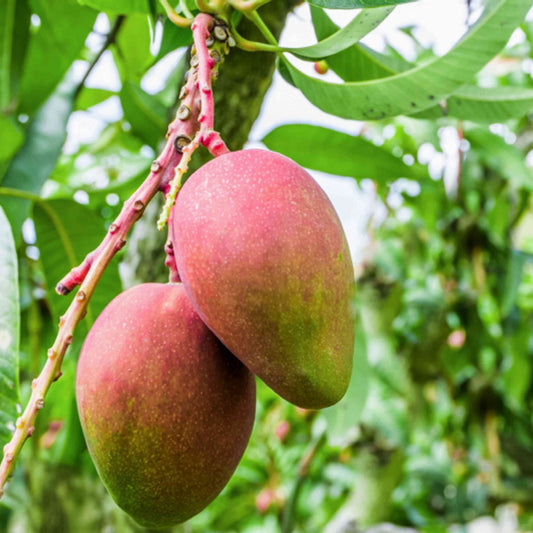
(298, 328)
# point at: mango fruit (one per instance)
(265, 263)
(166, 410)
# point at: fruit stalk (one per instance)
(180, 132)
(170, 260)
(207, 58)
(207, 61)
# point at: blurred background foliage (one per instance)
(436, 430)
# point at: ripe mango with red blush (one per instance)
(264, 259)
(166, 410)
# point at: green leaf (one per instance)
(285, 72)
(90, 96)
(421, 87)
(354, 4)
(119, 7)
(144, 112)
(358, 62)
(116, 153)
(489, 312)
(14, 27)
(337, 153)
(511, 284)
(9, 330)
(342, 417)
(516, 371)
(37, 158)
(324, 27)
(174, 78)
(11, 137)
(123, 189)
(53, 47)
(469, 102)
(496, 219)
(354, 31)
(503, 158)
(66, 232)
(484, 105)
(7, 25)
(173, 38)
(132, 48)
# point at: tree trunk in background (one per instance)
(239, 93)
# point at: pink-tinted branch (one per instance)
(201, 31)
(207, 60)
(181, 133)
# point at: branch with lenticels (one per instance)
(193, 126)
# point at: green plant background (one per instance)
(436, 429)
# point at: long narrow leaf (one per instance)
(358, 62)
(505, 159)
(11, 137)
(145, 113)
(9, 329)
(353, 4)
(14, 28)
(53, 47)
(421, 87)
(7, 24)
(484, 104)
(345, 37)
(469, 102)
(118, 7)
(34, 162)
(341, 154)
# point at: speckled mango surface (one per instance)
(166, 410)
(265, 262)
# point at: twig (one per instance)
(261, 26)
(253, 46)
(208, 60)
(178, 20)
(110, 39)
(184, 128)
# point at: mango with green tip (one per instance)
(166, 410)
(265, 262)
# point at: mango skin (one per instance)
(265, 262)
(166, 410)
